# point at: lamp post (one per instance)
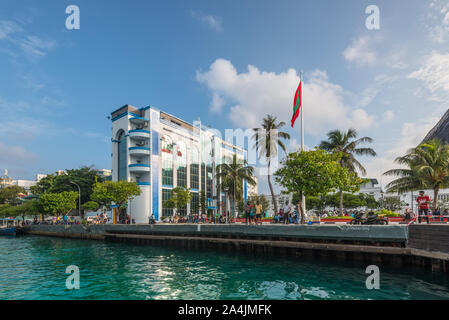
(79, 198)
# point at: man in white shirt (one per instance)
(287, 211)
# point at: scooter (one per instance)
(375, 219)
(371, 219)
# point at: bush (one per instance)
(387, 213)
(338, 217)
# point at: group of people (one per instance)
(424, 212)
(288, 214)
(198, 218)
(253, 211)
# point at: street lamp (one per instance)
(79, 198)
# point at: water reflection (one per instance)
(34, 268)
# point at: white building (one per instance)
(253, 190)
(372, 188)
(6, 181)
(161, 152)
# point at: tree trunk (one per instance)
(300, 208)
(435, 198)
(271, 190)
(341, 202)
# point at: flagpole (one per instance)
(303, 199)
(302, 118)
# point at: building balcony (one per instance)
(139, 134)
(139, 120)
(139, 151)
(139, 167)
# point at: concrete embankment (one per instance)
(379, 235)
(370, 244)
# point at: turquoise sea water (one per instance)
(34, 268)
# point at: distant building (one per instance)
(372, 188)
(104, 173)
(6, 181)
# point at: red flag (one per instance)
(296, 104)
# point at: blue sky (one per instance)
(228, 62)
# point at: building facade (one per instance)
(161, 152)
(372, 188)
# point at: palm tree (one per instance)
(347, 144)
(267, 139)
(427, 167)
(230, 178)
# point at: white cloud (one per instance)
(388, 115)
(34, 45)
(360, 51)
(12, 155)
(212, 21)
(255, 93)
(412, 134)
(217, 102)
(438, 22)
(434, 72)
(7, 28)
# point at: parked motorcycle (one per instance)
(371, 219)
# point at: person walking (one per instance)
(247, 209)
(298, 210)
(252, 214)
(287, 211)
(423, 206)
(259, 213)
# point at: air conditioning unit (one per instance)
(141, 143)
(145, 124)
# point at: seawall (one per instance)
(393, 244)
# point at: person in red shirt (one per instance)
(423, 206)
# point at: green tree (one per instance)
(85, 177)
(27, 208)
(369, 201)
(230, 177)
(347, 144)
(10, 195)
(268, 138)
(426, 167)
(90, 206)
(390, 203)
(313, 173)
(119, 192)
(313, 202)
(179, 198)
(58, 203)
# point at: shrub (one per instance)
(339, 217)
(387, 213)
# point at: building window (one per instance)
(166, 212)
(195, 203)
(182, 165)
(194, 169)
(122, 159)
(167, 161)
(209, 182)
